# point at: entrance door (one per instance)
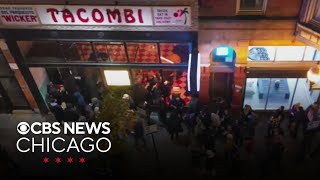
(221, 86)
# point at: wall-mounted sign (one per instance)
(18, 15)
(95, 15)
(92, 15)
(176, 16)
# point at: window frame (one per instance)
(251, 12)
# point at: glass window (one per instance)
(303, 95)
(261, 53)
(174, 53)
(251, 5)
(309, 54)
(289, 53)
(317, 56)
(77, 51)
(143, 52)
(110, 52)
(43, 51)
(270, 94)
(281, 92)
(256, 92)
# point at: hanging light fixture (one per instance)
(313, 74)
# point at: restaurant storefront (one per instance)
(277, 76)
(89, 43)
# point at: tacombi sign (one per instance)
(95, 15)
(92, 15)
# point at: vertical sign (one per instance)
(18, 15)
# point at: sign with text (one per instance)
(95, 15)
(18, 15)
(172, 16)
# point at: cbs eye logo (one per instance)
(23, 128)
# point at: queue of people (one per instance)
(68, 106)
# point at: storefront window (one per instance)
(143, 52)
(105, 52)
(256, 93)
(251, 5)
(174, 53)
(271, 93)
(290, 53)
(42, 51)
(280, 92)
(283, 53)
(303, 95)
(110, 52)
(77, 51)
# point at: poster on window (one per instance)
(261, 53)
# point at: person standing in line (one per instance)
(139, 132)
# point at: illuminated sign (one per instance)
(95, 15)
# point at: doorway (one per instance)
(221, 86)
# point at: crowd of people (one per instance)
(206, 126)
(71, 105)
(203, 124)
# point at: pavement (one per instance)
(163, 158)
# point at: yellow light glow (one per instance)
(117, 77)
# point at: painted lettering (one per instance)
(82, 19)
(33, 18)
(140, 15)
(7, 18)
(53, 12)
(94, 16)
(128, 16)
(113, 15)
(66, 14)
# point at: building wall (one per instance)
(279, 8)
(283, 8)
(239, 34)
(217, 8)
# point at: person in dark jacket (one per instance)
(299, 118)
(57, 110)
(139, 132)
(70, 114)
(174, 125)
